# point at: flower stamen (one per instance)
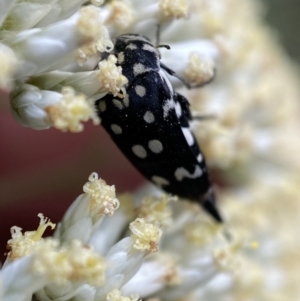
(146, 235)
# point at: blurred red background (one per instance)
(44, 171)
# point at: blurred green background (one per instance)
(284, 17)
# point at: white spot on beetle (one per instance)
(166, 80)
(131, 46)
(149, 117)
(117, 103)
(160, 181)
(126, 100)
(178, 109)
(181, 173)
(139, 151)
(155, 146)
(121, 57)
(140, 90)
(188, 136)
(116, 129)
(102, 105)
(199, 158)
(149, 48)
(139, 68)
(168, 105)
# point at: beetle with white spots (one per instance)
(150, 124)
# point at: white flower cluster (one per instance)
(39, 38)
(92, 257)
(56, 49)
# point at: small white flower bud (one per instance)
(40, 109)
